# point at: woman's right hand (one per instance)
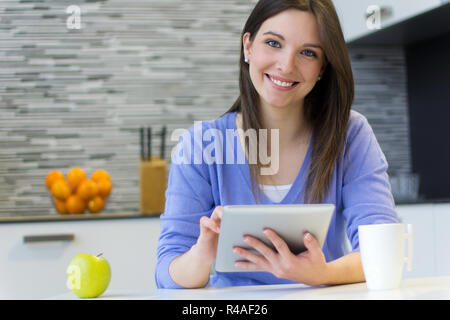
(206, 245)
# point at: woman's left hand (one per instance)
(308, 267)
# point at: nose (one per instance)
(286, 62)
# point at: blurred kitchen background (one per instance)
(75, 86)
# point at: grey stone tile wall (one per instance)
(381, 95)
(77, 97)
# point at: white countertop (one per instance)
(435, 288)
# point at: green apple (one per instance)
(88, 276)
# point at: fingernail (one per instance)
(308, 236)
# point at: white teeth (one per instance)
(280, 83)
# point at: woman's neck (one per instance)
(290, 122)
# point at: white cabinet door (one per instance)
(38, 270)
(352, 13)
(424, 249)
(442, 239)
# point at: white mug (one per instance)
(382, 248)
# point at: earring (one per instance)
(319, 78)
(246, 60)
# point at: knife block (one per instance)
(152, 185)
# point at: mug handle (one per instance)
(409, 236)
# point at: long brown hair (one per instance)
(326, 107)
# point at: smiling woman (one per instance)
(295, 77)
(276, 52)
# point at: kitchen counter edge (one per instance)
(135, 215)
(76, 217)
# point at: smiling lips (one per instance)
(281, 83)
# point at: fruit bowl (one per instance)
(76, 193)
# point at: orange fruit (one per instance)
(60, 190)
(87, 189)
(100, 174)
(75, 204)
(60, 206)
(52, 176)
(104, 188)
(75, 176)
(96, 204)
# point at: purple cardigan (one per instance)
(209, 169)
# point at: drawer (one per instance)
(35, 255)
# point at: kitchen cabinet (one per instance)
(34, 270)
(442, 238)
(421, 216)
(431, 239)
(352, 13)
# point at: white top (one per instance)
(275, 193)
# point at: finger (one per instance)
(311, 243)
(217, 213)
(256, 259)
(209, 224)
(278, 242)
(248, 265)
(261, 247)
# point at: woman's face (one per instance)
(286, 48)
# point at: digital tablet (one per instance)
(290, 222)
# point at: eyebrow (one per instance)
(316, 45)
